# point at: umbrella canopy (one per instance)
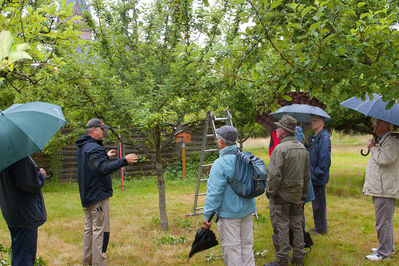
(204, 239)
(26, 129)
(375, 107)
(301, 112)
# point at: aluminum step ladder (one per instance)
(201, 176)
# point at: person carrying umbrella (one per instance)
(235, 213)
(22, 205)
(95, 188)
(382, 183)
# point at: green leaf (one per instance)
(361, 4)
(287, 98)
(341, 50)
(22, 47)
(16, 56)
(6, 41)
(306, 10)
(276, 3)
(314, 26)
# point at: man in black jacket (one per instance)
(22, 205)
(95, 187)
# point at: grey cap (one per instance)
(287, 122)
(228, 133)
(95, 122)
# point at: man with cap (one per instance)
(320, 162)
(95, 187)
(235, 213)
(287, 186)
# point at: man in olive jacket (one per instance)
(287, 187)
(382, 183)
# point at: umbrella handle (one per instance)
(50, 174)
(210, 218)
(364, 154)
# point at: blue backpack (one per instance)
(249, 176)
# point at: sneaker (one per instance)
(377, 257)
(374, 250)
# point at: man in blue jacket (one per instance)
(234, 212)
(320, 162)
(95, 187)
(22, 205)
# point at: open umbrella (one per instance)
(375, 107)
(301, 112)
(204, 239)
(26, 128)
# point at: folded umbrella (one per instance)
(204, 239)
(26, 128)
(376, 108)
(301, 112)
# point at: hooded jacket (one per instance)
(382, 172)
(320, 157)
(220, 197)
(21, 197)
(94, 170)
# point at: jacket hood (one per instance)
(85, 139)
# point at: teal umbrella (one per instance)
(26, 129)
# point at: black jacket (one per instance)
(21, 197)
(94, 169)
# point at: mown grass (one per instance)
(136, 238)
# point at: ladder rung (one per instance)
(203, 180)
(206, 165)
(200, 208)
(211, 150)
(201, 194)
(210, 135)
(221, 118)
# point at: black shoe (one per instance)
(275, 263)
(296, 261)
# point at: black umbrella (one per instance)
(204, 239)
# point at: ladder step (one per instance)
(201, 194)
(206, 165)
(200, 208)
(211, 150)
(221, 118)
(204, 180)
(210, 135)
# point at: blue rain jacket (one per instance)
(220, 197)
(320, 157)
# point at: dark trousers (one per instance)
(23, 246)
(384, 211)
(319, 207)
(285, 216)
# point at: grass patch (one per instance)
(136, 238)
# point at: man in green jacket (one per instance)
(287, 187)
(382, 183)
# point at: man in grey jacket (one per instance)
(382, 183)
(287, 187)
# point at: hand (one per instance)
(131, 158)
(371, 144)
(206, 224)
(43, 172)
(111, 153)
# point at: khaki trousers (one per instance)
(237, 238)
(96, 233)
(285, 216)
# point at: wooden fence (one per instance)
(68, 167)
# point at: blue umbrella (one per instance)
(26, 128)
(375, 107)
(301, 112)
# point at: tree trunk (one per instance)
(160, 179)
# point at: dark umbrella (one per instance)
(204, 239)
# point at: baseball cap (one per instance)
(95, 122)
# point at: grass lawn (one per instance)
(136, 238)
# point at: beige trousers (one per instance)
(237, 238)
(96, 233)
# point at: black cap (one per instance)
(95, 122)
(228, 133)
